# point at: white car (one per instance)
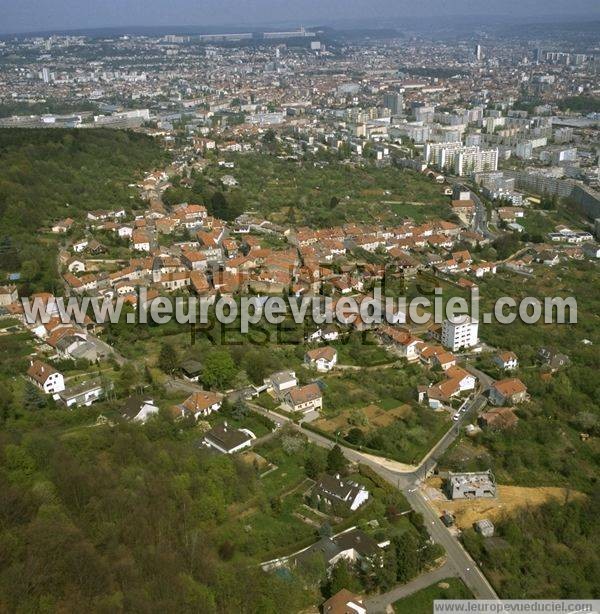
(455, 417)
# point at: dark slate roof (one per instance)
(226, 437)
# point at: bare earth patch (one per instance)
(375, 415)
(508, 501)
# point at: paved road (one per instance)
(480, 219)
(180, 384)
(457, 556)
(484, 379)
(405, 481)
(380, 603)
(460, 559)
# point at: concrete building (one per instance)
(394, 101)
(475, 160)
(473, 485)
(485, 527)
(459, 332)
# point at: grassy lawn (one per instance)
(266, 400)
(421, 602)
(8, 322)
(363, 352)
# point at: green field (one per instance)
(421, 602)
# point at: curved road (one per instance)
(458, 558)
(406, 480)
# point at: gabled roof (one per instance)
(337, 487)
(326, 353)
(343, 602)
(133, 405)
(40, 371)
(509, 387)
(200, 401)
(304, 394)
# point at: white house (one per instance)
(506, 360)
(305, 399)
(323, 358)
(283, 381)
(82, 394)
(125, 232)
(46, 377)
(139, 409)
(201, 403)
(76, 265)
(228, 440)
(80, 246)
(334, 489)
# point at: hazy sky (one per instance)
(34, 15)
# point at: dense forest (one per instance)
(111, 519)
(548, 552)
(52, 173)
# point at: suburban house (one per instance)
(323, 358)
(46, 377)
(201, 403)
(333, 489)
(508, 392)
(191, 370)
(140, 240)
(466, 381)
(138, 409)
(62, 226)
(82, 394)
(554, 360)
(76, 265)
(344, 602)
(458, 381)
(305, 398)
(438, 395)
(80, 246)
(353, 545)
(506, 360)
(326, 333)
(403, 341)
(499, 418)
(282, 381)
(445, 360)
(470, 485)
(228, 440)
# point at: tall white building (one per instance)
(460, 332)
(462, 160)
(442, 155)
(475, 160)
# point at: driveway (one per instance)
(381, 603)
